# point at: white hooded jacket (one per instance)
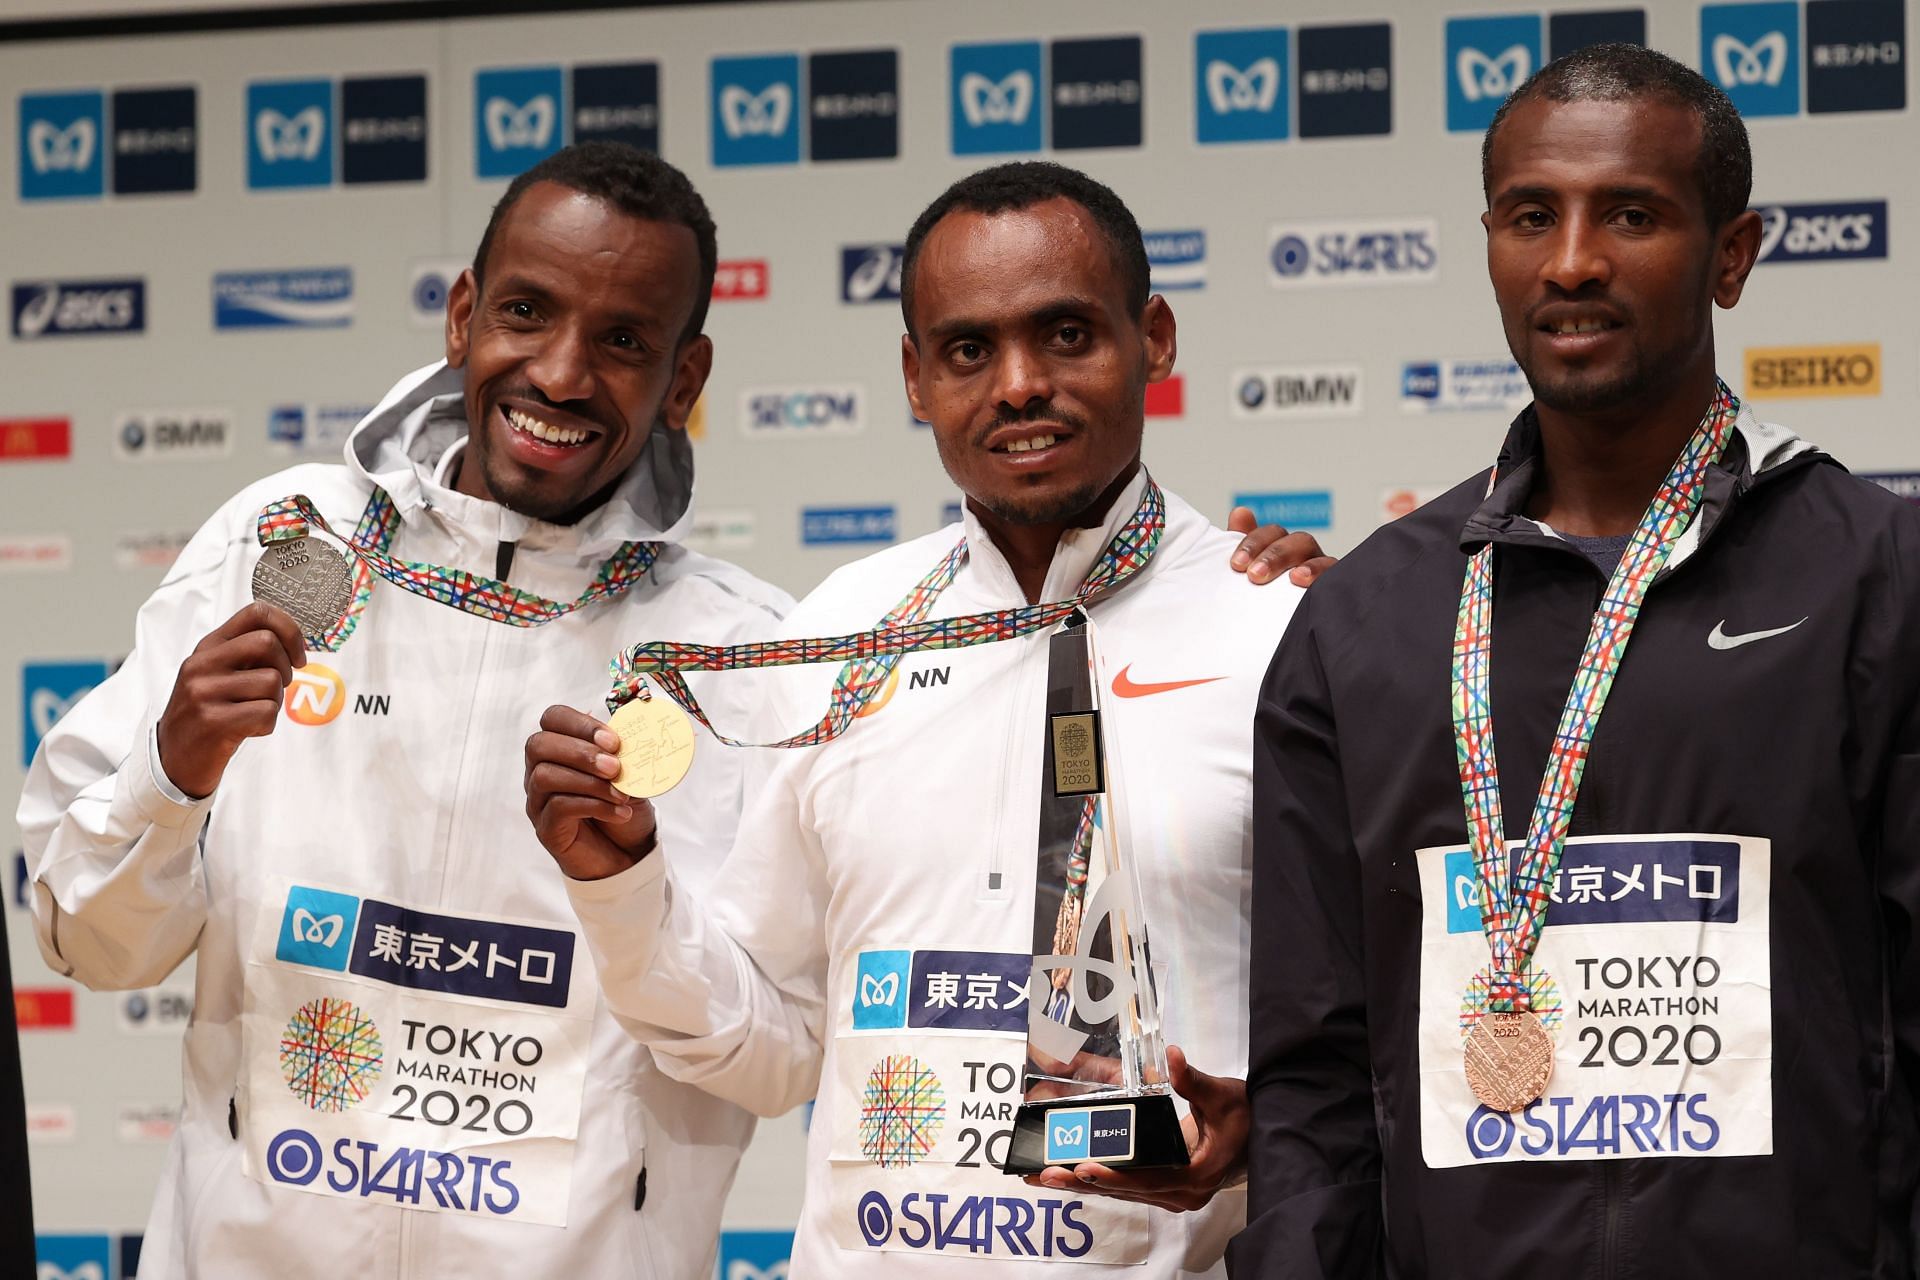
(878, 908)
(399, 1064)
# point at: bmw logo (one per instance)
(133, 436)
(430, 292)
(1253, 392)
(1291, 256)
(136, 1007)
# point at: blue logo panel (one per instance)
(846, 524)
(156, 145)
(997, 98)
(1241, 90)
(1570, 32)
(1096, 92)
(316, 928)
(853, 105)
(871, 272)
(1346, 80)
(1306, 510)
(756, 110)
(1069, 1134)
(1856, 56)
(21, 894)
(755, 1255)
(63, 145)
(1620, 883)
(1823, 232)
(518, 119)
(618, 103)
(1752, 51)
(289, 134)
(383, 129)
(74, 1257)
(314, 298)
(1176, 259)
(490, 959)
(969, 990)
(880, 990)
(1487, 59)
(48, 690)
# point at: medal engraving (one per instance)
(1076, 753)
(1509, 1059)
(656, 746)
(309, 580)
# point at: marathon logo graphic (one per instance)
(1487, 59)
(1823, 232)
(1308, 509)
(941, 990)
(425, 951)
(847, 524)
(1317, 254)
(833, 410)
(871, 272)
(165, 434)
(1346, 80)
(310, 298)
(1296, 391)
(1791, 372)
(976, 1225)
(1623, 883)
(1240, 85)
(1177, 260)
(1856, 57)
(1752, 51)
(62, 145)
(465, 1183)
(996, 94)
(75, 308)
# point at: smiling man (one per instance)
(874, 928)
(1674, 1030)
(399, 1062)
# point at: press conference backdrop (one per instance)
(220, 249)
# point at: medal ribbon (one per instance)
(1513, 898)
(870, 656)
(294, 517)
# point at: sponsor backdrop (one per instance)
(221, 248)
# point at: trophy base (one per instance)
(1139, 1132)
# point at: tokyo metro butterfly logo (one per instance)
(331, 1055)
(902, 1111)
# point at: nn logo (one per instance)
(318, 696)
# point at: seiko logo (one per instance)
(299, 138)
(1814, 371)
(765, 114)
(1484, 77)
(53, 149)
(1230, 89)
(1004, 101)
(1762, 62)
(512, 127)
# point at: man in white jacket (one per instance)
(399, 1064)
(874, 923)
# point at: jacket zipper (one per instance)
(447, 842)
(996, 885)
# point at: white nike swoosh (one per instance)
(1719, 639)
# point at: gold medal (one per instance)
(1509, 1059)
(656, 746)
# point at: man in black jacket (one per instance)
(1676, 1032)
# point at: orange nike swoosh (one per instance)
(1126, 688)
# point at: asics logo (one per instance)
(528, 125)
(280, 138)
(1492, 77)
(1762, 62)
(879, 990)
(1773, 225)
(1067, 1137)
(50, 147)
(323, 930)
(1006, 101)
(879, 270)
(1230, 89)
(764, 114)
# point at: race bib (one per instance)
(413, 1057)
(1653, 976)
(928, 1053)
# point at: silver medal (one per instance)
(308, 579)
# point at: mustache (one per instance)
(581, 409)
(1035, 411)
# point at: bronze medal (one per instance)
(1509, 1059)
(308, 579)
(656, 746)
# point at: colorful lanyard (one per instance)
(1513, 931)
(870, 656)
(487, 598)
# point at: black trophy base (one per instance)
(1140, 1132)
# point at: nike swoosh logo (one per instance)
(1125, 687)
(1719, 639)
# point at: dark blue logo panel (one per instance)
(1823, 232)
(1752, 51)
(156, 145)
(383, 129)
(66, 308)
(997, 98)
(1346, 80)
(490, 959)
(63, 140)
(854, 105)
(1569, 32)
(1628, 882)
(618, 103)
(846, 524)
(969, 990)
(1856, 56)
(871, 272)
(1096, 92)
